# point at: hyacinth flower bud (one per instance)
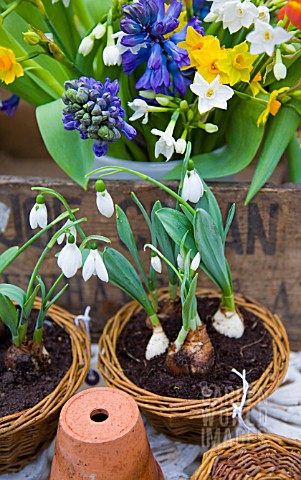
(38, 213)
(104, 200)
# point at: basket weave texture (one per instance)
(23, 435)
(257, 457)
(194, 421)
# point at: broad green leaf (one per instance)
(229, 220)
(71, 153)
(126, 236)
(13, 292)
(209, 203)
(237, 152)
(124, 276)
(293, 153)
(27, 308)
(9, 315)
(6, 257)
(177, 225)
(211, 247)
(279, 132)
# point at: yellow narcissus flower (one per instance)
(272, 107)
(255, 85)
(9, 67)
(194, 43)
(238, 63)
(207, 60)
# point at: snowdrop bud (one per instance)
(111, 56)
(70, 258)
(211, 128)
(193, 188)
(104, 200)
(99, 31)
(38, 213)
(180, 145)
(195, 262)
(180, 262)
(156, 263)
(94, 265)
(86, 45)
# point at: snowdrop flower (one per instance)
(263, 14)
(38, 213)
(180, 145)
(70, 258)
(212, 94)
(65, 2)
(193, 188)
(94, 265)
(98, 31)
(180, 262)
(104, 200)
(141, 109)
(72, 231)
(156, 262)
(195, 262)
(111, 56)
(265, 37)
(237, 15)
(86, 45)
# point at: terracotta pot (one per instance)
(101, 436)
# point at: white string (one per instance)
(85, 318)
(238, 409)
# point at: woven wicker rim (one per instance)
(177, 407)
(67, 386)
(249, 441)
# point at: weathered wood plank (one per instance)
(263, 245)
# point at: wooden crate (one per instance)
(263, 246)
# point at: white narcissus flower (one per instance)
(86, 45)
(212, 94)
(165, 145)
(72, 231)
(263, 14)
(195, 262)
(193, 188)
(70, 258)
(38, 214)
(156, 263)
(239, 14)
(140, 108)
(104, 200)
(265, 37)
(94, 265)
(111, 56)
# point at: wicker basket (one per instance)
(23, 435)
(252, 456)
(194, 421)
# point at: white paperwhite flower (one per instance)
(166, 143)
(38, 214)
(265, 37)
(195, 262)
(238, 14)
(263, 14)
(180, 145)
(157, 344)
(111, 56)
(86, 45)
(279, 70)
(156, 263)
(66, 234)
(70, 258)
(216, 11)
(212, 94)
(94, 265)
(193, 188)
(228, 323)
(140, 108)
(180, 262)
(105, 203)
(65, 2)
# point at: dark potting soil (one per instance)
(25, 387)
(252, 352)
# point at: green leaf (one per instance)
(126, 236)
(189, 305)
(211, 247)
(71, 153)
(209, 203)
(9, 315)
(237, 152)
(27, 308)
(229, 220)
(13, 292)
(177, 225)
(6, 257)
(293, 153)
(124, 276)
(279, 132)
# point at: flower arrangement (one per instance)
(216, 74)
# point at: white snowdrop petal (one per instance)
(100, 268)
(33, 222)
(89, 266)
(86, 46)
(156, 264)
(41, 214)
(195, 262)
(180, 261)
(105, 203)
